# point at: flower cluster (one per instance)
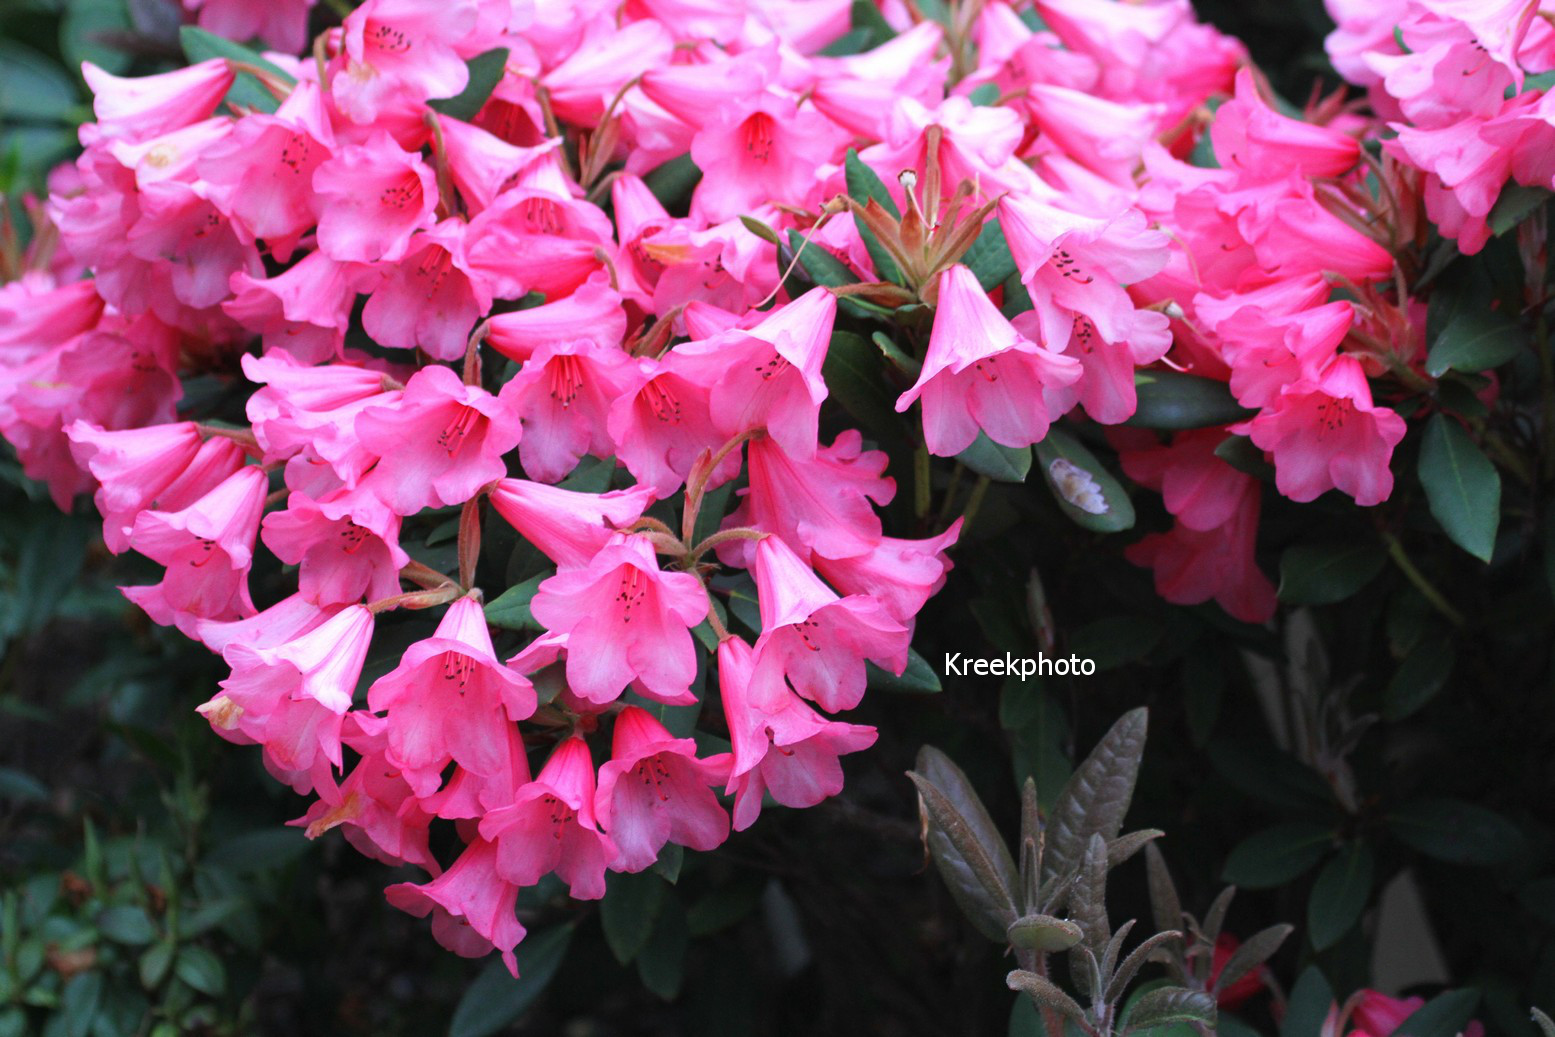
(437, 290)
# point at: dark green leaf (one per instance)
(155, 963)
(1474, 339)
(1418, 679)
(260, 850)
(673, 182)
(20, 786)
(1308, 1006)
(1455, 831)
(918, 678)
(78, 1005)
(1166, 1005)
(1263, 771)
(486, 72)
(999, 463)
(510, 609)
(496, 999)
(1097, 796)
(82, 34)
(33, 88)
(1339, 895)
(1321, 574)
(863, 184)
(1445, 1015)
(989, 257)
(662, 963)
(1515, 204)
(629, 909)
(865, 15)
(246, 91)
(1085, 491)
(201, 969)
(823, 267)
(1173, 400)
(1461, 485)
(1117, 640)
(1277, 855)
(853, 373)
(671, 858)
(127, 924)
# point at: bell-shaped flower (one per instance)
(372, 197)
(593, 313)
(781, 745)
(474, 909)
(979, 373)
(662, 424)
(625, 620)
(429, 299)
(450, 699)
(149, 106)
(1193, 566)
(815, 638)
(290, 617)
(345, 546)
(1203, 491)
(291, 697)
(569, 527)
(439, 443)
(1260, 143)
(768, 151)
(399, 51)
(654, 790)
(901, 574)
(769, 376)
(207, 547)
(562, 395)
(305, 310)
(281, 24)
(550, 826)
(133, 467)
(1327, 434)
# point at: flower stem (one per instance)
(1423, 585)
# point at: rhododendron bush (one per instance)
(573, 434)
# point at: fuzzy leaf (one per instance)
(1253, 952)
(1165, 904)
(1045, 992)
(1166, 1005)
(1088, 908)
(1044, 933)
(967, 848)
(1097, 796)
(1136, 959)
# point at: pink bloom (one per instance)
(399, 51)
(1104, 136)
(606, 58)
(901, 574)
(550, 826)
(781, 745)
(1192, 566)
(1260, 144)
(472, 906)
(663, 424)
(562, 395)
(133, 467)
(35, 315)
(770, 375)
(450, 699)
(1328, 435)
(654, 790)
(262, 173)
(439, 444)
(625, 620)
(290, 617)
(346, 547)
(372, 197)
(311, 411)
(567, 526)
(980, 373)
(593, 313)
(149, 106)
(815, 638)
(976, 144)
(290, 698)
(1199, 488)
(1380, 1015)
(765, 152)
(304, 310)
(282, 24)
(538, 239)
(429, 298)
(207, 547)
(185, 238)
(482, 164)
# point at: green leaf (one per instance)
(823, 267)
(1166, 1005)
(671, 858)
(201, 969)
(33, 88)
(496, 999)
(918, 678)
(999, 463)
(1115, 641)
(662, 964)
(1096, 797)
(1476, 338)
(1339, 895)
(1277, 855)
(852, 370)
(1173, 400)
(1321, 574)
(486, 71)
(21, 787)
(632, 902)
(154, 964)
(1308, 1006)
(1044, 933)
(865, 15)
(1515, 204)
(127, 924)
(989, 257)
(673, 182)
(1085, 491)
(1455, 831)
(1419, 678)
(246, 91)
(1461, 485)
(84, 25)
(1037, 729)
(260, 850)
(1445, 1015)
(510, 609)
(78, 1006)
(984, 95)
(863, 184)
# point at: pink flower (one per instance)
(290, 617)
(149, 106)
(1380, 1015)
(815, 638)
(781, 745)
(1193, 566)
(283, 24)
(593, 313)
(483, 165)
(291, 697)
(770, 375)
(1260, 144)
(663, 424)
(429, 298)
(569, 527)
(979, 373)
(372, 197)
(1199, 488)
(472, 906)
(449, 699)
(207, 547)
(550, 826)
(399, 51)
(304, 310)
(901, 574)
(654, 790)
(133, 467)
(346, 547)
(563, 395)
(625, 620)
(439, 444)
(768, 151)
(1328, 435)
